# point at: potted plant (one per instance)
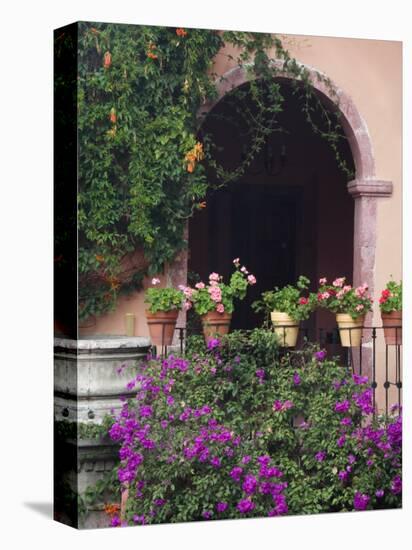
(350, 306)
(390, 305)
(287, 307)
(161, 315)
(214, 302)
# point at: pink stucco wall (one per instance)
(370, 73)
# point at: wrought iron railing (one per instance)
(381, 362)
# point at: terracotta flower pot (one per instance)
(393, 336)
(215, 324)
(350, 330)
(162, 326)
(286, 328)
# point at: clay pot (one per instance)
(350, 330)
(215, 324)
(286, 328)
(393, 336)
(162, 326)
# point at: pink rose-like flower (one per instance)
(359, 307)
(220, 308)
(323, 281)
(214, 276)
(244, 270)
(188, 292)
(155, 281)
(236, 261)
(215, 293)
(325, 295)
(340, 294)
(347, 288)
(339, 281)
(303, 301)
(251, 279)
(199, 286)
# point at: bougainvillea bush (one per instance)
(239, 430)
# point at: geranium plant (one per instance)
(340, 297)
(289, 299)
(217, 295)
(391, 297)
(163, 299)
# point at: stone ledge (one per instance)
(102, 343)
(370, 188)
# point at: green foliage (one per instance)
(163, 299)
(82, 430)
(391, 297)
(141, 168)
(288, 299)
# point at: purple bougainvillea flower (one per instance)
(215, 462)
(145, 410)
(221, 507)
(245, 505)
(260, 373)
(236, 473)
(263, 460)
(249, 484)
(343, 475)
(320, 456)
(351, 459)
(347, 421)
(296, 379)
(360, 501)
(379, 493)
(360, 379)
(246, 459)
(159, 502)
(320, 355)
(281, 506)
(237, 359)
(115, 522)
(213, 343)
(341, 441)
(342, 406)
(396, 485)
(170, 400)
(206, 514)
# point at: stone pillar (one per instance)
(366, 193)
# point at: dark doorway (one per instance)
(258, 224)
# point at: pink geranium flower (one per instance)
(199, 286)
(251, 279)
(155, 281)
(214, 276)
(220, 308)
(339, 281)
(323, 281)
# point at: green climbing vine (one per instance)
(143, 166)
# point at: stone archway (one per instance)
(365, 189)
